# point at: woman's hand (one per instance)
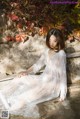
(61, 100)
(24, 73)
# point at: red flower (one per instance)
(19, 25)
(8, 38)
(13, 17)
(18, 38)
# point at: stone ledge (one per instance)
(73, 55)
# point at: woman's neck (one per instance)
(51, 52)
(54, 50)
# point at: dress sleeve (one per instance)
(63, 76)
(39, 64)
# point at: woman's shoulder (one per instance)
(62, 53)
(46, 51)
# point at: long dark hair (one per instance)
(59, 37)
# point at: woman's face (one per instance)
(53, 41)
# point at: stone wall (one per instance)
(18, 56)
(73, 61)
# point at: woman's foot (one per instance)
(17, 106)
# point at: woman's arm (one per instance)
(63, 76)
(39, 64)
(28, 71)
(35, 67)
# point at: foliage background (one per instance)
(45, 11)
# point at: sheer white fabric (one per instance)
(26, 92)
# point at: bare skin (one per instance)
(26, 72)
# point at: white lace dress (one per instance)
(32, 89)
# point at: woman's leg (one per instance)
(10, 87)
(4, 101)
(17, 105)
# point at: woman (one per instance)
(28, 88)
